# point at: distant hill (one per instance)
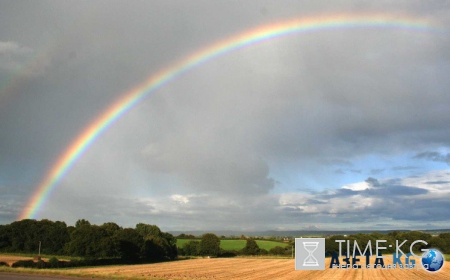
(298, 233)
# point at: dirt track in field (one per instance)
(241, 268)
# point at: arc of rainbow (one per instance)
(134, 96)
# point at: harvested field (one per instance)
(240, 268)
(10, 259)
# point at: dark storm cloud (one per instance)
(206, 144)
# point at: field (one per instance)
(245, 268)
(239, 244)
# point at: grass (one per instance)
(230, 244)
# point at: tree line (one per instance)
(107, 241)
(147, 242)
(209, 245)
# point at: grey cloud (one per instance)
(434, 156)
(437, 182)
(401, 168)
(376, 171)
(373, 182)
(13, 56)
(394, 191)
(308, 103)
(390, 187)
(339, 162)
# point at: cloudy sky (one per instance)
(345, 128)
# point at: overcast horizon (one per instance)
(333, 129)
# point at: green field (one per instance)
(239, 244)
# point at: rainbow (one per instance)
(252, 37)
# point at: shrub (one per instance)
(277, 250)
(53, 262)
(251, 248)
(41, 264)
(3, 264)
(28, 263)
(227, 254)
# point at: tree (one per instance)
(446, 237)
(191, 248)
(209, 245)
(156, 247)
(110, 228)
(146, 230)
(86, 241)
(130, 243)
(5, 241)
(82, 222)
(172, 241)
(251, 247)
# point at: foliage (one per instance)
(277, 251)
(82, 222)
(54, 262)
(146, 230)
(209, 245)
(86, 241)
(27, 263)
(251, 248)
(191, 248)
(25, 235)
(129, 243)
(92, 242)
(186, 236)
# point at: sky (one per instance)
(333, 129)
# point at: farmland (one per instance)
(245, 268)
(230, 244)
(234, 268)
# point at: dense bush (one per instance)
(53, 261)
(27, 263)
(191, 248)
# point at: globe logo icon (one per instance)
(432, 260)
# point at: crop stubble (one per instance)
(246, 269)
